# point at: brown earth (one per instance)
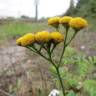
(18, 65)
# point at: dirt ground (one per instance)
(18, 65)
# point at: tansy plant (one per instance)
(48, 41)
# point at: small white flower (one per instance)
(54, 92)
(82, 47)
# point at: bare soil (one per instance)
(18, 65)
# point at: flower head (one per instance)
(78, 23)
(25, 40)
(54, 21)
(18, 41)
(57, 37)
(65, 20)
(42, 36)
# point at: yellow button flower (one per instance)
(57, 37)
(18, 41)
(25, 40)
(53, 21)
(43, 36)
(65, 20)
(78, 23)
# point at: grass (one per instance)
(15, 28)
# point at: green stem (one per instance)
(64, 47)
(57, 28)
(43, 56)
(59, 76)
(41, 46)
(71, 39)
(54, 46)
(37, 52)
(49, 53)
(61, 82)
(31, 49)
(53, 63)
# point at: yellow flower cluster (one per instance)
(76, 22)
(57, 37)
(65, 20)
(26, 39)
(43, 36)
(40, 37)
(53, 20)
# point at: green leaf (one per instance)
(71, 93)
(90, 87)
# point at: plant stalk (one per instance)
(61, 82)
(64, 47)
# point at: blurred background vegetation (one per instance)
(84, 8)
